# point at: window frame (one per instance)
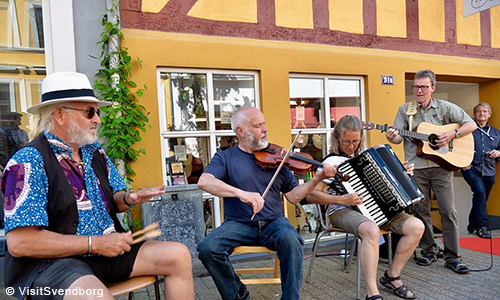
(326, 128)
(211, 133)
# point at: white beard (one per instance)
(80, 136)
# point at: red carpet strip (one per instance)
(481, 245)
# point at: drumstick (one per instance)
(149, 235)
(148, 228)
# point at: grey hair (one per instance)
(240, 117)
(346, 123)
(42, 121)
(485, 105)
(426, 73)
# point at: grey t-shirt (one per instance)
(439, 112)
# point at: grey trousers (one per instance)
(441, 183)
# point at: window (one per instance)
(13, 131)
(34, 24)
(21, 24)
(195, 118)
(316, 102)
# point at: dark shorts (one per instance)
(64, 271)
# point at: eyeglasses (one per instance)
(91, 112)
(422, 87)
(348, 143)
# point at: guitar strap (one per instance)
(410, 112)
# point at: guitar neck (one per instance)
(404, 133)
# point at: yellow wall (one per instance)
(468, 28)
(274, 61)
(431, 20)
(391, 18)
(346, 15)
(225, 10)
(294, 14)
(495, 23)
(490, 93)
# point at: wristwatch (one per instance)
(457, 134)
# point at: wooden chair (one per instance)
(260, 249)
(134, 284)
(356, 246)
(275, 270)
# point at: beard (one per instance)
(256, 144)
(79, 135)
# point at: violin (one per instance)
(273, 155)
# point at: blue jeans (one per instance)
(278, 235)
(481, 187)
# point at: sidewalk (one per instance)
(329, 281)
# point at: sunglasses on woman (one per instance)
(91, 112)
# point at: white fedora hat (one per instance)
(61, 87)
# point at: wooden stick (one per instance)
(148, 228)
(149, 235)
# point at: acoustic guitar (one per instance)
(456, 155)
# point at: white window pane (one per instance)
(343, 88)
(185, 101)
(231, 91)
(306, 88)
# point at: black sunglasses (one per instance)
(91, 112)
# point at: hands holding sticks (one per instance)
(147, 232)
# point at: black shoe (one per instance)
(243, 293)
(483, 233)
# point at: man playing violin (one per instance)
(250, 219)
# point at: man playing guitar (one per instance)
(429, 175)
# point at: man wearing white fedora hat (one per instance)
(62, 194)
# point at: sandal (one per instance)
(401, 291)
(440, 253)
(457, 267)
(426, 259)
(483, 233)
(374, 297)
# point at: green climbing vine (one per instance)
(123, 122)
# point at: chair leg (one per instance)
(353, 250)
(358, 271)
(346, 251)
(157, 289)
(276, 266)
(314, 253)
(130, 295)
(389, 250)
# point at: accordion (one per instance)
(379, 176)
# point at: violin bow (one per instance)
(287, 154)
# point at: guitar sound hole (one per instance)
(432, 141)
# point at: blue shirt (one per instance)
(486, 139)
(239, 169)
(25, 188)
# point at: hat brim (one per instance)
(36, 109)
